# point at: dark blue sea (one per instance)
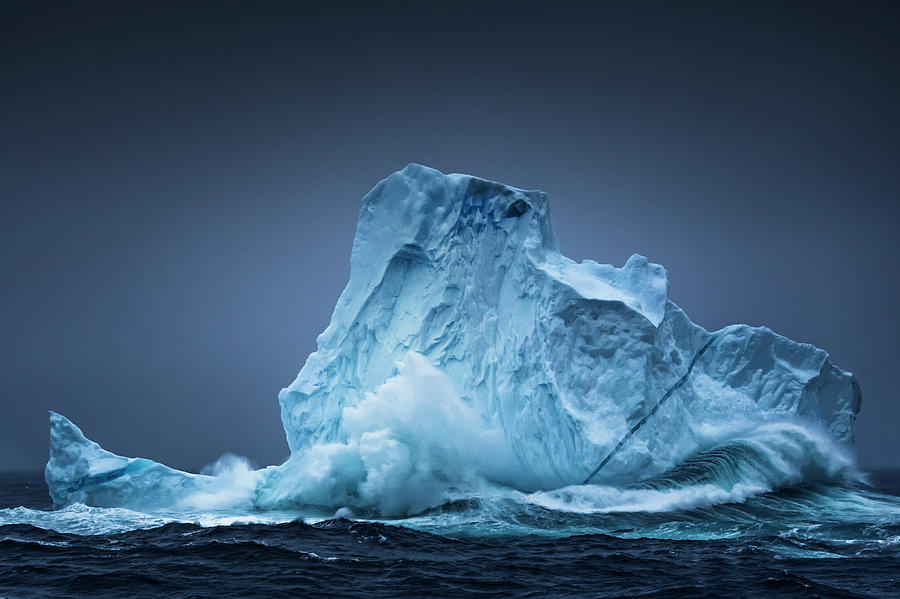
(806, 541)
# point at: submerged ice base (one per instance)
(467, 355)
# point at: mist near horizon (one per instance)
(181, 186)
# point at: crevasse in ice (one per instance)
(467, 354)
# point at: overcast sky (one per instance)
(180, 184)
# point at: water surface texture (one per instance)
(809, 541)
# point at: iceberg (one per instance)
(467, 355)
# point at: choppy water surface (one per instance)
(806, 541)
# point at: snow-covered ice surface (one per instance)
(468, 360)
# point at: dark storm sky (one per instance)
(180, 184)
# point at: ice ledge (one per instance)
(80, 471)
(639, 284)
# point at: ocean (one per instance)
(809, 540)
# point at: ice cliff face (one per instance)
(467, 351)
